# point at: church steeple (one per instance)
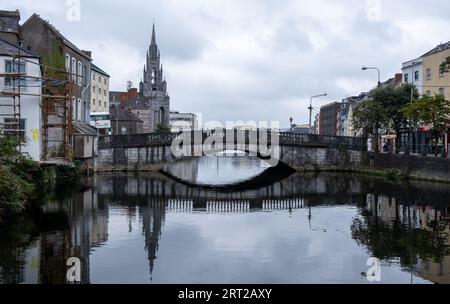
(153, 35)
(153, 70)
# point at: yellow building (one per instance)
(436, 81)
(100, 90)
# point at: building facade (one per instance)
(413, 73)
(435, 80)
(99, 90)
(328, 118)
(183, 121)
(124, 122)
(24, 91)
(60, 54)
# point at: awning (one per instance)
(424, 128)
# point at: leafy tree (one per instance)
(392, 101)
(433, 111)
(162, 128)
(369, 116)
(8, 146)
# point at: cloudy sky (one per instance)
(253, 59)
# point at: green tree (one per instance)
(369, 116)
(392, 101)
(162, 128)
(433, 111)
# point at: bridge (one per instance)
(147, 152)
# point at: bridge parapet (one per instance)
(237, 136)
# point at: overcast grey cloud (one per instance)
(253, 59)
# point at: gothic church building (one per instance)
(152, 105)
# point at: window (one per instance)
(15, 67)
(93, 77)
(74, 109)
(85, 76)
(428, 74)
(100, 91)
(15, 127)
(67, 63)
(93, 89)
(93, 102)
(416, 75)
(99, 79)
(104, 92)
(406, 78)
(74, 69)
(105, 104)
(79, 110)
(428, 93)
(104, 80)
(80, 73)
(441, 91)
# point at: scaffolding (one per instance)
(55, 106)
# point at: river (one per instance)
(305, 228)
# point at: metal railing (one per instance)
(238, 136)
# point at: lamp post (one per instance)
(364, 68)
(311, 107)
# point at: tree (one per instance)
(162, 128)
(369, 116)
(433, 111)
(392, 101)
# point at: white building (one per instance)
(413, 73)
(26, 122)
(183, 121)
(100, 90)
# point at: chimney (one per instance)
(89, 53)
(398, 79)
(9, 26)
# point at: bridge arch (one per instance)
(147, 152)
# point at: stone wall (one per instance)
(308, 158)
(133, 159)
(432, 168)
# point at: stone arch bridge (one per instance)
(148, 152)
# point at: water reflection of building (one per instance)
(71, 228)
(426, 227)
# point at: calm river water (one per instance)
(148, 228)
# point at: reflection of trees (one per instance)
(15, 240)
(398, 238)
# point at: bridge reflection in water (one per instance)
(192, 235)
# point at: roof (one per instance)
(139, 103)
(441, 47)
(59, 35)
(9, 49)
(84, 129)
(99, 70)
(121, 114)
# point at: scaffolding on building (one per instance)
(55, 97)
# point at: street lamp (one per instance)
(311, 108)
(364, 68)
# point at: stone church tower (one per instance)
(154, 86)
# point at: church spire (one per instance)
(153, 35)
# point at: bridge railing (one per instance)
(326, 141)
(285, 138)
